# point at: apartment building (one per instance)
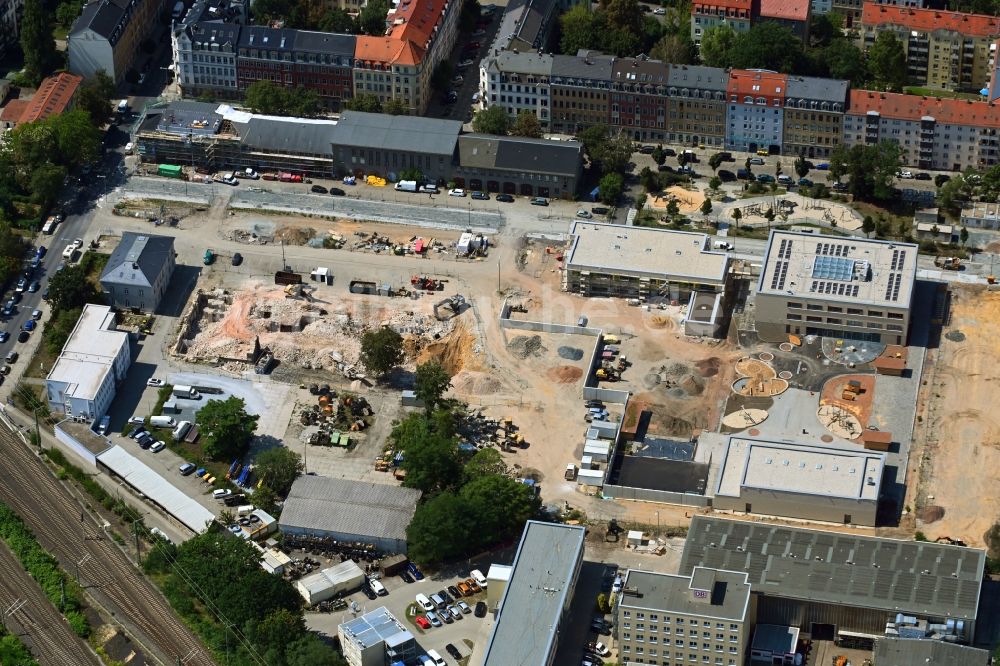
(638, 103)
(793, 14)
(755, 114)
(526, 25)
(518, 82)
(707, 14)
(947, 50)
(814, 115)
(704, 617)
(932, 133)
(696, 106)
(579, 88)
(858, 289)
(10, 23)
(107, 35)
(205, 59)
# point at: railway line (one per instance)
(36, 620)
(83, 548)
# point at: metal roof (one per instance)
(511, 153)
(138, 475)
(541, 584)
(399, 133)
(813, 88)
(727, 593)
(847, 569)
(698, 76)
(592, 66)
(277, 136)
(912, 651)
(101, 16)
(377, 626)
(325, 42)
(322, 504)
(138, 254)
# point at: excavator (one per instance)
(454, 303)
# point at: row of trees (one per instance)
(272, 99)
(69, 290)
(244, 614)
(620, 28)
(371, 104)
(305, 15)
(494, 120)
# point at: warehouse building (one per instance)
(343, 510)
(716, 605)
(538, 595)
(642, 263)
(845, 587)
(824, 483)
(911, 652)
(853, 288)
(376, 638)
(346, 576)
(95, 358)
(519, 165)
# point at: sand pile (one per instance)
(475, 383)
(691, 385)
(523, 346)
(708, 367)
(676, 370)
(564, 374)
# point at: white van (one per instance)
(162, 421)
(722, 245)
(478, 576)
(377, 587)
(181, 430)
(436, 658)
(244, 510)
(424, 602)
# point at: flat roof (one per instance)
(839, 268)
(163, 493)
(727, 598)
(538, 592)
(89, 353)
(322, 504)
(823, 471)
(877, 573)
(644, 252)
(377, 626)
(775, 639)
(911, 651)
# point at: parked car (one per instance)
(478, 576)
(805, 182)
(369, 592)
(23, 336)
(221, 493)
(660, 11)
(445, 596)
(464, 590)
(337, 192)
(4, 336)
(765, 178)
(922, 175)
(758, 161)
(434, 619)
(454, 592)
(473, 585)
(318, 189)
(464, 607)
(601, 649)
(457, 80)
(405, 575)
(153, 381)
(599, 210)
(22, 284)
(905, 174)
(464, 64)
(422, 622)
(158, 446)
(237, 259)
(414, 571)
(539, 201)
(481, 196)
(453, 651)
(823, 166)
(506, 198)
(839, 187)
(456, 192)
(584, 214)
(186, 469)
(11, 357)
(34, 286)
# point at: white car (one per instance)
(465, 63)
(78, 243)
(456, 192)
(69, 251)
(905, 174)
(153, 381)
(128, 148)
(659, 11)
(585, 214)
(249, 173)
(221, 493)
(478, 576)
(230, 179)
(602, 649)
(158, 446)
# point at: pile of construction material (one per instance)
(334, 417)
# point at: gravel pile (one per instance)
(570, 353)
(524, 346)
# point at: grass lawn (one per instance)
(900, 221)
(41, 362)
(945, 94)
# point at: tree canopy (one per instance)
(526, 124)
(364, 102)
(226, 428)
(278, 468)
(95, 96)
(371, 20)
(430, 452)
(871, 169)
(37, 42)
(492, 120)
(887, 62)
(69, 289)
(610, 188)
(267, 97)
(381, 350)
(430, 383)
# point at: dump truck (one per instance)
(948, 263)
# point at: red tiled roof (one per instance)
(929, 20)
(790, 10)
(914, 107)
(52, 98)
(14, 110)
(702, 5)
(768, 84)
(411, 29)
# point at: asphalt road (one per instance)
(72, 535)
(36, 621)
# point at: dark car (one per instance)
(725, 175)
(943, 178)
(23, 336)
(40, 252)
(481, 196)
(453, 651)
(506, 198)
(599, 210)
(453, 591)
(805, 182)
(405, 575)
(144, 440)
(765, 178)
(480, 609)
(539, 201)
(369, 592)
(447, 597)
(237, 259)
(4, 336)
(647, 150)
(135, 432)
(839, 187)
(45, 294)
(8, 308)
(28, 326)
(34, 286)
(318, 189)
(665, 168)
(726, 156)
(414, 571)
(337, 192)
(921, 175)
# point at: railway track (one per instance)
(48, 635)
(69, 533)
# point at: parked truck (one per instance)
(162, 421)
(182, 391)
(406, 186)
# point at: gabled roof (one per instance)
(214, 32)
(52, 97)
(758, 83)
(915, 107)
(529, 62)
(101, 16)
(384, 50)
(136, 254)
(307, 41)
(402, 133)
(698, 76)
(641, 70)
(929, 20)
(286, 137)
(811, 87)
(592, 65)
(271, 39)
(788, 10)
(511, 153)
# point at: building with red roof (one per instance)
(755, 117)
(947, 50)
(56, 94)
(705, 14)
(932, 133)
(793, 14)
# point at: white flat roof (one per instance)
(841, 269)
(807, 469)
(155, 487)
(644, 252)
(89, 352)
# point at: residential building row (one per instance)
(218, 138)
(746, 110)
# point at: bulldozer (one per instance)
(606, 375)
(297, 291)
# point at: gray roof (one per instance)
(640, 70)
(403, 133)
(322, 504)
(511, 153)
(188, 117)
(596, 66)
(101, 16)
(830, 567)
(698, 76)
(281, 136)
(325, 42)
(377, 626)
(540, 588)
(271, 39)
(728, 593)
(530, 62)
(215, 32)
(526, 21)
(810, 87)
(913, 651)
(143, 253)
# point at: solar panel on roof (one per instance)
(924, 594)
(833, 268)
(903, 588)
(968, 592)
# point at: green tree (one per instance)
(623, 14)
(963, 236)
(675, 48)
(471, 12)
(78, 140)
(303, 102)
(265, 499)
(941, 179)
(46, 183)
(266, 97)
(371, 20)
(12, 251)
(430, 383)
(310, 650)
(439, 529)
(226, 428)
(492, 120)
(610, 188)
(485, 462)
(381, 350)
(659, 155)
(66, 13)
(37, 43)
(715, 161)
(714, 183)
(498, 507)
(838, 162)
(952, 195)
(577, 30)
(615, 153)
(95, 96)
(767, 45)
(69, 289)
(706, 207)
(526, 124)
(58, 328)
(364, 102)
(716, 44)
(396, 107)
(887, 62)
(278, 467)
(649, 180)
(844, 60)
(737, 216)
(801, 166)
(430, 453)
(593, 139)
(672, 209)
(868, 225)
(336, 20)
(823, 28)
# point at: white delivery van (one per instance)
(181, 430)
(436, 658)
(722, 245)
(244, 510)
(162, 421)
(406, 186)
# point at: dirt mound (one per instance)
(475, 383)
(564, 374)
(691, 384)
(930, 514)
(676, 370)
(708, 367)
(523, 346)
(955, 335)
(660, 321)
(570, 353)
(651, 380)
(454, 353)
(294, 235)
